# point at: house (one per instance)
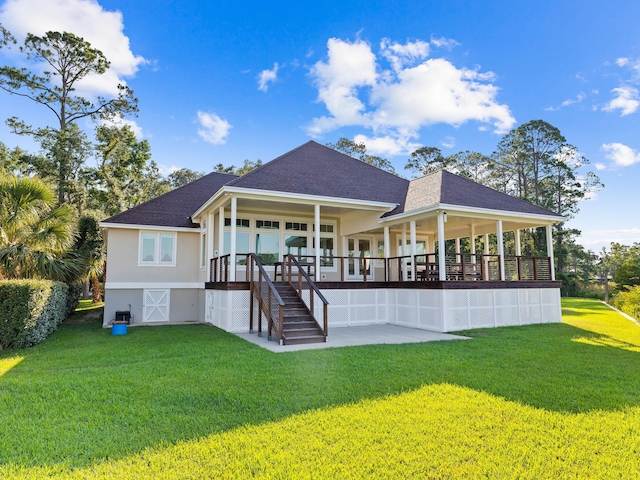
(358, 245)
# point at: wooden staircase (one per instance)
(299, 325)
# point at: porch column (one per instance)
(550, 251)
(500, 248)
(404, 251)
(486, 258)
(412, 233)
(220, 236)
(209, 248)
(441, 248)
(232, 245)
(316, 211)
(387, 243)
(458, 245)
(518, 245)
(472, 242)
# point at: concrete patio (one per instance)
(355, 336)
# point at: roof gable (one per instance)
(443, 187)
(313, 169)
(174, 208)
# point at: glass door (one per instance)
(359, 254)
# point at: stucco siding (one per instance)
(185, 305)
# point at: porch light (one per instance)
(444, 215)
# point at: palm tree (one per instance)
(35, 234)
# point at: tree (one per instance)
(359, 151)
(472, 165)
(426, 160)
(5, 37)
(183, 176)
(121, 176)
(69, 59)
(35, 235)
(90, 247)
(242, 170)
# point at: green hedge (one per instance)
(73, 297)
(30, 310)
(629, 301)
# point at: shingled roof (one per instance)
(174, 209)
(313, 169)
(444, 187)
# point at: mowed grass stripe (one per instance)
(542, 401)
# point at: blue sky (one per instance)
(220, 82)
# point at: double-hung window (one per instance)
(157, 248)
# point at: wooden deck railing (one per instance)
(424, 267)
(270, 303)
(292, 268)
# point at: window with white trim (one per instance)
(157, 249)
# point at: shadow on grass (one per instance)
(83, 395)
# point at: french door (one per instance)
(359, 254)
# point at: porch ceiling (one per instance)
(287, 206)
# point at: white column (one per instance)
(387, 243)
(404, 251)
(441, 248)
(550, 251)
(316, 211)
(457, 244)
(486, 258)
(209, 249)
(472, 242)
(232, 243)
(518, 246)
(500, 248)
(412, 235)
(221, 231)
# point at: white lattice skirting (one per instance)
(436, 310)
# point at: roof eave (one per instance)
(484, 212)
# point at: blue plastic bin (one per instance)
(119, 329)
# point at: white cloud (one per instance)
(396, 102)
(119, 122)
(570, 101)
(87, 19)
(267, 76)
(387, 145)
(600, 166)
(620, 154)
(448, 142)
(626, 101)
(443, 42)
(621, 62)
(597, 239)
(213, 129)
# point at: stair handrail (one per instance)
(268, 298)
(290, 261)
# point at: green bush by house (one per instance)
(30, 310)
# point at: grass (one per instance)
(544, 401)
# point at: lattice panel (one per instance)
(530, 314)
(239, 312)
(507, 297)
(407, 297)
(482, 317)
(549, 296)
(363, 315)
(456, 319)
(529, 296)
(407, 316)
(430, 320)
(507, 316)
(480, 298)
(382, 314)
(455, 299)
(551, 314)
(430, 298)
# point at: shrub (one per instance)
(629, 301)
(30, 310)
(73, 297)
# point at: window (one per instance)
(296, 245)
(324, 228)
(242, 246)
(240, 222)
(300, 227)
(327, 249)
(157, 249)
(203, 250)
(268, 247)
(268, 224)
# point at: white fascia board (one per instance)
(208, 203)
(254, 193)
(148, 227)
(478, 212)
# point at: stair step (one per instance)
(301, 324)
(302, 340)
(303, 332)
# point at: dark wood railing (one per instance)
(292, 267)
(424, 267)
(270, 303)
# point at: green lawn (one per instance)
(544, 401)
